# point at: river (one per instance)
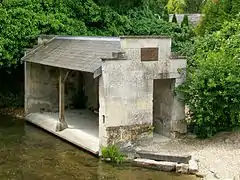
(29, 153)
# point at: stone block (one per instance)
(193, 166)
(159, 165)
(182, 168)
(164, 157)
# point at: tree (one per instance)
(193, 6)
(213, 80)
(23, 20)
(185, 21)
(174, 19)
(176, 6)
(216, 13)
(123, 6)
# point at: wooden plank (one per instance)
(62, 124)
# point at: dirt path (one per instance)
(219, 157)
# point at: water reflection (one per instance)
(28, 153)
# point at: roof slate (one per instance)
(78, 53)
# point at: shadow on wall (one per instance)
(12, 87)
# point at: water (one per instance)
(28, 153)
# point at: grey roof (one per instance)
(194, 19)
(75, 53)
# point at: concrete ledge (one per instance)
(164, 157)
(159, 165)
(74, 136)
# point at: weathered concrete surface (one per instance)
(164, 157)
(126, 88)
(82, 131)
(41, 88)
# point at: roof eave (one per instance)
(27, 55)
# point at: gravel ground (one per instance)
(219, 156)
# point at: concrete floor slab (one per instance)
(82, 131)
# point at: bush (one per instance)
(113, 154)
(185, 21)
(215, 13)
(11, 100)
(174, 19)
(213, 81)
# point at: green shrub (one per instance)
(215, 13)
(11, 100)
(174, 19)
(213, 81)
(113, 154)
(185, 21)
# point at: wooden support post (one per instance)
(62, 124)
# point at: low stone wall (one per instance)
(128, 133)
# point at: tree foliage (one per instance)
(176, 6)
(193, 6)
(185, 21)
(123, 6)
(23, 20)
(216, 12)
(213, 80)
(174, 19)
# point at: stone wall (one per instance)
(91, 91)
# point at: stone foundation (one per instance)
(128, 133)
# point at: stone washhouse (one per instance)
(96, 91)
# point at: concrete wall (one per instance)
(41, 88)
(82, 80)
(126, 89)
(91, 91)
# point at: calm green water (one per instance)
(28, 153)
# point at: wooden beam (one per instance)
(97, 73)
(66, 76)
(62, 124)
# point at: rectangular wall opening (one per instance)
(82, 102)
(162, 105)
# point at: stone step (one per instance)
(158, 165)
(167, 166)
(164, 157)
